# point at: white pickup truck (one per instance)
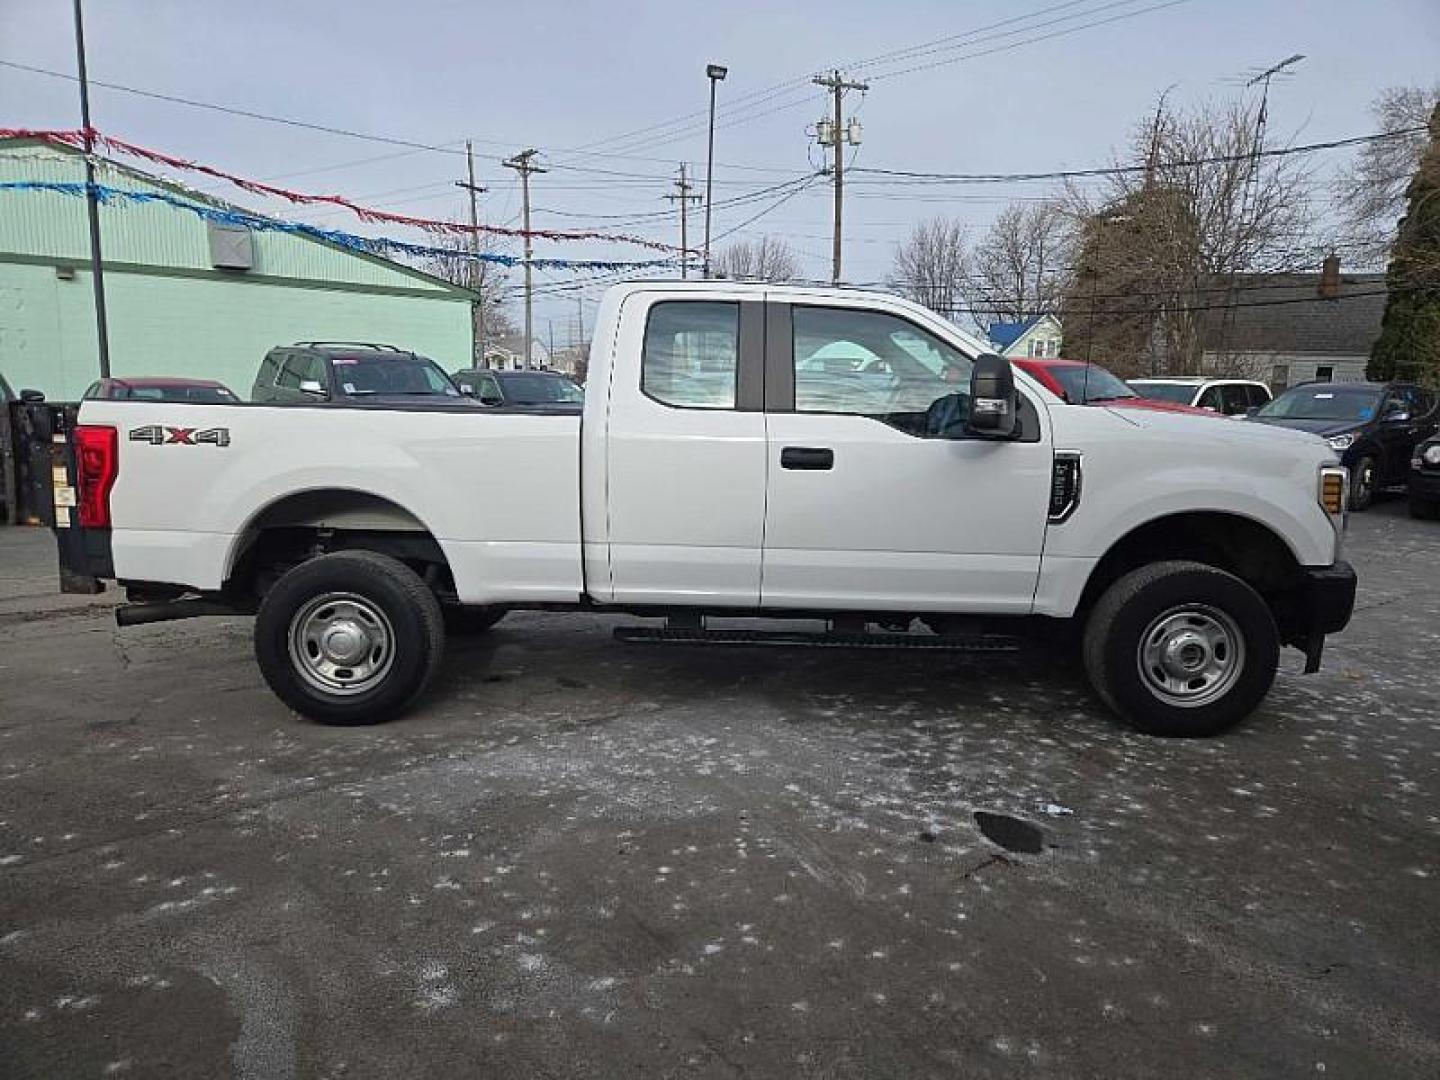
(744, 450)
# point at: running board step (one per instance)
(792, 638)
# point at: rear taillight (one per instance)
(97, 463)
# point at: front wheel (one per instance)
(1363, 482)
(349, 638)
(1181, 649)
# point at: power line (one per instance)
(790, 87)
(1121, 170)
(769, 209)
(452, 147)
(736, 109)
(1121, 17)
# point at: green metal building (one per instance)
(186, 296)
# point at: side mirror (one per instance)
(32, 397)
(993, 402)
(491, 399)
(1399, 416)
(312, 387)
(1252, 410)
(466, 389)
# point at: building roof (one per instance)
(1005, 334)
(1303, 321)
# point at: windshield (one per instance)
(200, 395)
(1178, 393)
(400, 373)
(541, 390)
(1084, 383)
(1324, 402)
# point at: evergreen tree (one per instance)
(1409, 342)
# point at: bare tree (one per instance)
(489, 282)
(1018, 269)
(930, 266)
(1162, 245)
(1370, 191)
(766, 259)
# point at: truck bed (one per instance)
(499, 491)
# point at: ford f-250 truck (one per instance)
(752, 450)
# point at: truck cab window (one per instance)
(691, 354)
(867, 363)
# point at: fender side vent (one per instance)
(1064, 485)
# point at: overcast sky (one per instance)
(576, 80)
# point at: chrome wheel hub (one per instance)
(1190, 656)
(341, 643)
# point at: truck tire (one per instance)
(469, 621)
(1181, 649)
(1363, 482)
(349, 638)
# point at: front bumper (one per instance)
(1425, 485)
(1322, 604)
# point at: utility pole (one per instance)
(524, 164)
(92, 200)
(550, 325)
(684, 198)
(830, 132)
(477, 278)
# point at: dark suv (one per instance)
(354, 373)
(1374, 427)
(545, 390)
(1425, 479)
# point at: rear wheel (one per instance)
(1181, 649)
(1362, 483)
(349, 638)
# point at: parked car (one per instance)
(155, 388)
(1374, 427)
(1229, 397)
(355, 373)
(1080, 383)
(712, 447)
(528, 389)
(1425, 479)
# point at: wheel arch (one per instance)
(333, 517)
(1237, 543)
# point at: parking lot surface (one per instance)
(579, 858)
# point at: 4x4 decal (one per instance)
(159, 435)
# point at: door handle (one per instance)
(814, 458)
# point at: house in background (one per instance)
(1039, 335)
(186, 296)
(1321, 329)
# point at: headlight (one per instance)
(1431, 455)
(1341, 442)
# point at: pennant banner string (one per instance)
(350, 241)
(76, 139)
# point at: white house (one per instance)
(1039, 335)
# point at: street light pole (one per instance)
(92, 201)
(715, 73)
